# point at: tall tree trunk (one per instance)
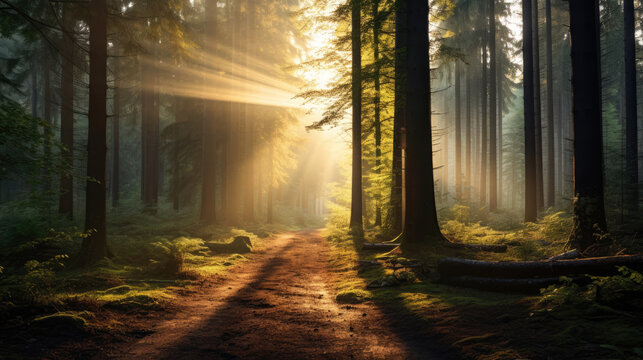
(531, 187)
(589, 211)
(395, 220)
(149, 138)
(421, 227)
(468, 139)
(551, 159)
(116, 119)
(47, 129)
(538, 107)
(249, 176)
(483, 125)
(458, 131)
(66, 200)
(377, 105)
(493, 150)
(94, 246)
(631, 121)
(209, 149)
(271, 177)
(356, 223)
(499, 93)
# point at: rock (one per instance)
(390, 280)
(60, 322)
(118, 290)
(239, 245)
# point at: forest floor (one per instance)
(307, 295)
(278, 305)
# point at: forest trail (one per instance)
(280, 305)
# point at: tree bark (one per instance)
(94, 246)
(531, 198)
(209, 149)
(537, 107)
(458, 131)
(66, 200)
(551, 159)
(493, 150)
(483, 124)
(116, 119)
(631, 121)
(589, 211)
(356, 223)
(395, 221)
(377, 108)
(421, 227)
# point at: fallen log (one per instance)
(383, 247)
(574, 254)
(603, 266)
(477, 247)
(529, 286)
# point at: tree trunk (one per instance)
(66, 200)
(421, 227)
(551, 159)
(531, 187)
(116, 118)
(589, 211)
(493, 150)
(499, 94)
(47, 130)
(94, 246)
(483, 125)
(537, 107)
(631, 121)
(395, 220)
(150, 138)
(209, 149)
(458, 132)
(356, 223)
(467, 141)
(249, 176)
(377, 105)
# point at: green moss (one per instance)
(62, 321)
(352, 296)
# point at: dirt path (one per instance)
(277, 306)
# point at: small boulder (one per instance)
(60, 322)
(239, 245)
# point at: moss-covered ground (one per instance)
(565, 322)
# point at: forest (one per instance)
(321, 179)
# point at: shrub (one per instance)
(40, 277)
(169, 256)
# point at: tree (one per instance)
(631, 121)
(537, 105)
(356, 224)
(550, 199)
(421, 225)
(395, 221)
(94, 246)
(589, 211)
(531, 200)
(493, 107)
(66, 200)
(209, 159)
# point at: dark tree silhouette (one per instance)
(356, 223)
(531, 191)
(589, 211)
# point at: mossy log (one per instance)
(477, 247)
(529, 286)
(383, 247)
(602, 266)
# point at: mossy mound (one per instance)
(118, 290)
(352, 296)
(239, 245)
(62, 322)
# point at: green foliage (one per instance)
(168, 257)
(603, 292)
(20, 142)
(40, 277)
